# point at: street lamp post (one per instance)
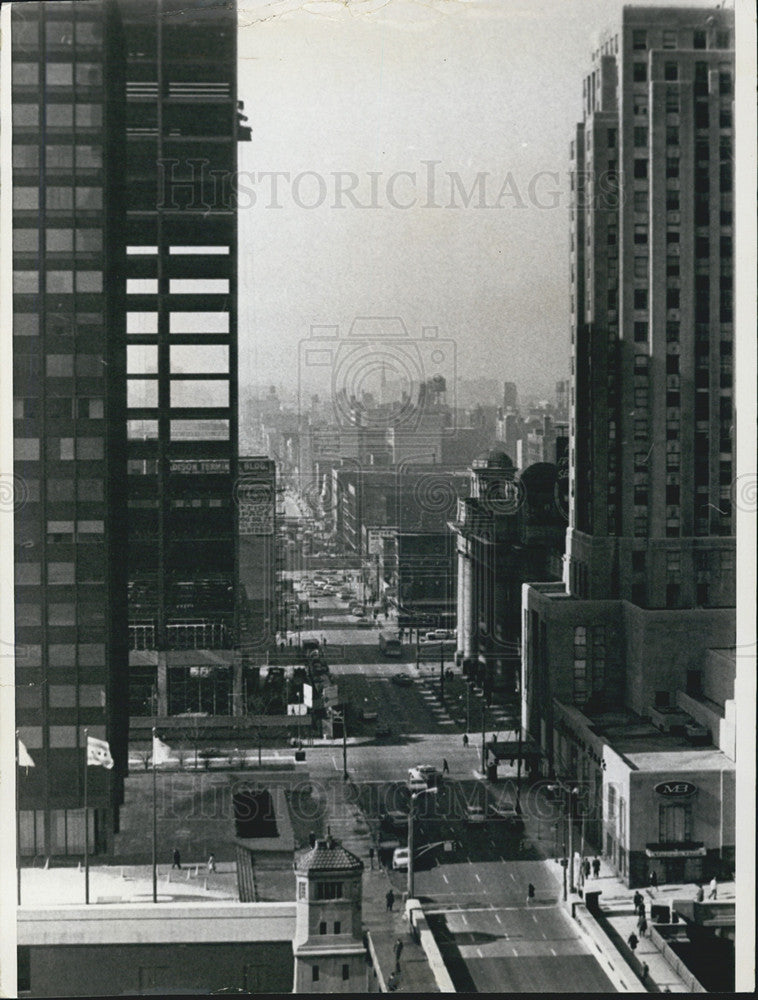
(570, 791)
(414, 796)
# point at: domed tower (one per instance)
(330, 956)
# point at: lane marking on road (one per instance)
(479, 953)
(445, 878)
(334, 763)
(497, 917)
(512, 876)
(476, 875)
(463, 915)
(534, 917)
(552, 951)
(515, 953)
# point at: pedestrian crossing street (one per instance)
(430, 692)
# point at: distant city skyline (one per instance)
(383, 104)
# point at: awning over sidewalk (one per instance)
(679, 851)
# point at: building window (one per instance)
(639, 39)
(640, 169)
(322, 927)
(640, 298)
(669, 39)
(674, 824)
(329, 890)
(337, 927)
(639, 72)
(638, 562)
(671, 71)
(640, 135)
(672, 595)
(314, 973)
(672, 166)
(672, 135)
(640, 332)
(345, 971)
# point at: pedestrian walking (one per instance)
(529, 893)
(177, 859)
(654, 879)
(312, 838)
(445, 766)
(637, 899)
(392, 982)
(700, 894)
(596, 867)
(642, 925)
(398, 953)
(371, 857)
(632, 941)
(390, 897)
(645, 970)
(211, 862)
(465, 740)
(586, 868)
(713, 888)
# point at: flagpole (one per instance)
(18, 833)
(155, 869)
(86, 820)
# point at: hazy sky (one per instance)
(479, 87)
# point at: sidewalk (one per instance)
(347, 825)
(617, 909)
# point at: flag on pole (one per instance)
(161, 751)
(24, 757)
(98, 753)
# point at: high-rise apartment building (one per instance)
(69, 420)
(652, 244)
(626, 665)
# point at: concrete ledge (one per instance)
(425, 937)
(693, 984)
(608, 956)
(376, 963)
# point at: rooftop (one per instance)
(328, 855)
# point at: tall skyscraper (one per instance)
(652, 243)
(627, 664)
(69, 421)
(125, 124)
(181, 356)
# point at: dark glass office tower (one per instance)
(181, 355)
(69, 419)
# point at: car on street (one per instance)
(504, 811)
(474, 814)
(403, 680)
(395, 820)
(363, 622)
(440, 635)
(426, 773)
(400, 859)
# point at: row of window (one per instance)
(58, 74)
(65, 449)
(179, 286)
(62, 696)
(60, 737)
(179, 322)
(87, 654)
(59, 198)
(61, 614)
(700, 38)
(58, 282)
(58, 156)
(81, 116)
(206, 430)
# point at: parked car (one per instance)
(356, 609)
(475, 814)
(363, 622)
(403, 680)
(400, 859)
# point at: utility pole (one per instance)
(484, 714)
(344, 744)
(442, 674)
(411, 873)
